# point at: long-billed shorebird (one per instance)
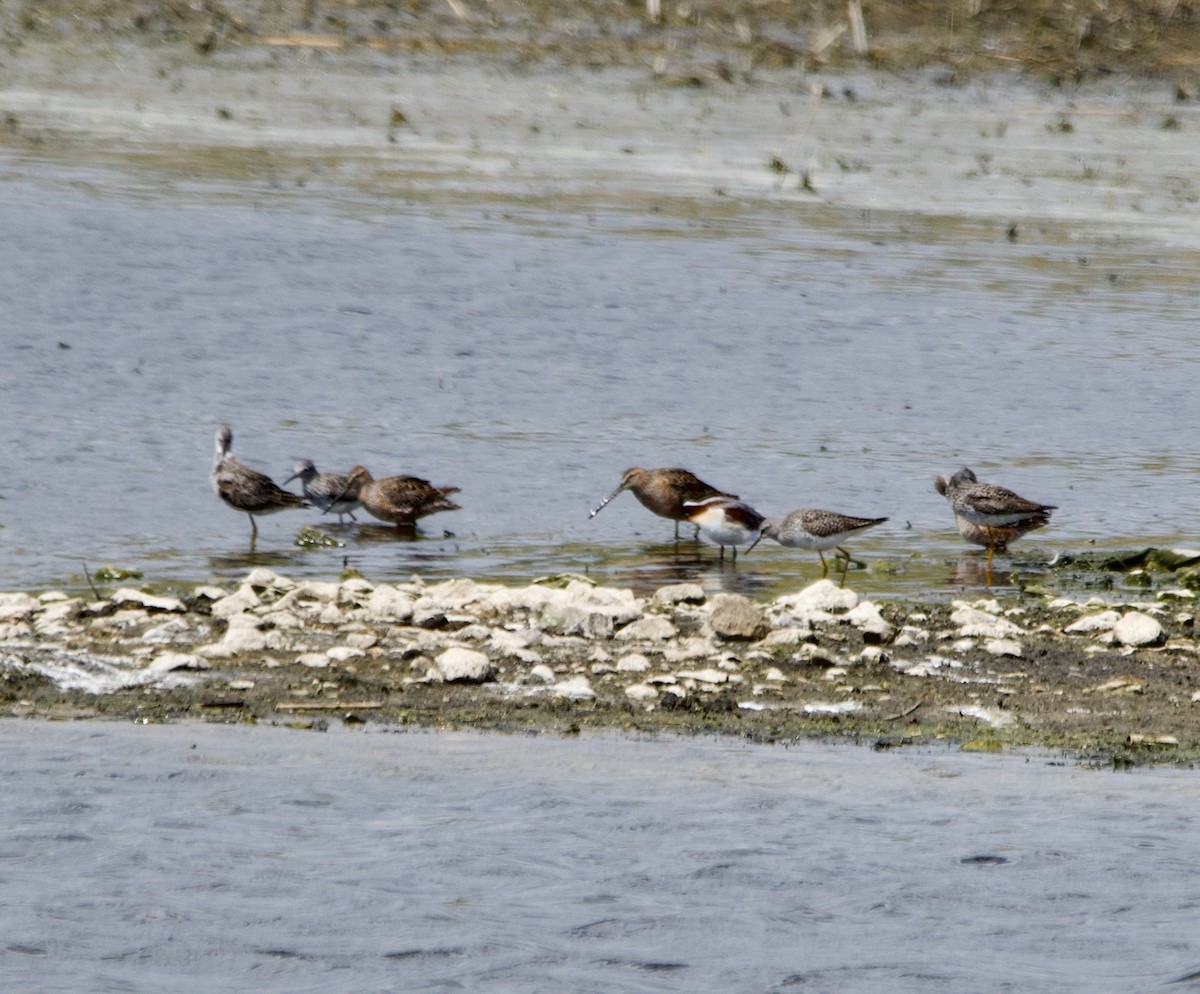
(725, 521)
(398, 499)
(246, 489)
(328, 491)
(817, 531)
(664, 492)
(990, 515)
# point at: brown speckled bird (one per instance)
(816, 530)
(664, 492)
(990, 515)
(246, 489)
(399, 499)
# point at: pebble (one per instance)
(1105, 621)
(733, 616)
(167, 662)
(577, 688)
(1138, 629)
(641, 692)
(633, 663)
(465, 665)
(652, 628)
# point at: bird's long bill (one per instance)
(290, 478)
(757, 539)
(600, 507)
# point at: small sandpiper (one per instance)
(664, 492)
(725, 521)
(246, 489)
(816, 530)
(328, 491)
(990, 515)
(398, 499)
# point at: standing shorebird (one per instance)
(246, 489)
(398, 499)
(990, 515)
(664, 492)
(725, 521)
(817, 531)
(328, 491)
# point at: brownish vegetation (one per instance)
(1065, 41)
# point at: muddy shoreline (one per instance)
(690, 43)
(1104, 681)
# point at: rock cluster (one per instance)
(822, 651)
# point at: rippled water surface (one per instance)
(530, 357)
(198, 858)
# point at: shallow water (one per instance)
(197, 857)
(500, 331)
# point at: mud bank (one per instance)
(1107, 681)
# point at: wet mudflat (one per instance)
(177, 858)
(811, 288)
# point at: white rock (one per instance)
(909, 635)
(453, 595)
(824, 595)
(1003, 647)
(635, 662)
(241, 600)
(688, 649)
(128, 595)
(1105, 621)
(167, 662)
(17, 607)
(679, 593)
(322, 591)
(641, 692)
(842, 707)
(386, 603)
(1136, 628)
(356, 590)
(873, 654)
(544, 673)
(313, 660)
(166, 632)
(577, 688)
(331, 614)
(866, 618)
(340, 653)
(240, 639)
(703, 676)
(652, 628)
(464, 665)
(262, 578)
(775, 675)
(973, 623)
(786, 636)
(362, 640)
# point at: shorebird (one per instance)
(398, 499)
(990, 515)
(328, 491)
(816, 530)
(725, 521)
(246, 489)
(664, 492)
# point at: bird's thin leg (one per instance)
(676, 531)
(253, 532)
(824, 565)
(845, 565)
